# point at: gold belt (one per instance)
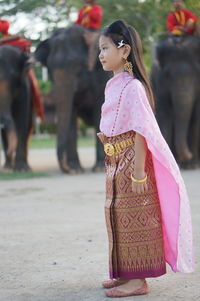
(115, 149)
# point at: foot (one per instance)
(21, 167)
(113, 282)
(130, 288)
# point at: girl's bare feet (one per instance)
(130, 285)
(113, 282)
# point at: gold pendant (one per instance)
(128, 67)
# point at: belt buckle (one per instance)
(109, 149)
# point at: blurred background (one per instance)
(36, 20)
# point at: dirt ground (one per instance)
(53, 241)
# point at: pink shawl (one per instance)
(136, 114)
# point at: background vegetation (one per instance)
(148, 16)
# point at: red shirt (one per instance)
(90, 16)
(4, 27)
(21, 43)
(180, 18)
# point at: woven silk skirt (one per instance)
(133, 220)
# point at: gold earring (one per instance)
(128, 67)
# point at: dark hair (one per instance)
(120, 30)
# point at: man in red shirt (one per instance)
(181, 21)
(90, 16)
(15, 40)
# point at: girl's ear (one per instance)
(126, 51)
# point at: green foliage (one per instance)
(147, 16)
(45, 86)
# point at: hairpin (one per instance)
(120, 44)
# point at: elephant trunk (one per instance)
(6, 119)
(64, 89)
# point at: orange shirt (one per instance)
(4, 27)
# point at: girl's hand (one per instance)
(139, 188)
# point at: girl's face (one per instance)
(111, 57)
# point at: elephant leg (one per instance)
(9, 157)
(164, 117)
(73, 161)
(194, 139)
(100, 154)
(22, 115)
(11, 147)
(98, 83)
(182, 116)
(23, 134)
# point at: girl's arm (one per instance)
(139, 168)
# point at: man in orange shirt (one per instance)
(90, 17)
(181, 21)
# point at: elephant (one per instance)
(77, 91)
(175, 81)
(16, 109)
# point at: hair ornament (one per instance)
(120, 44)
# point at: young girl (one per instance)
(147, 208)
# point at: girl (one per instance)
(147, 208)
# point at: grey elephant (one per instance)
(77, 91)
(16, 106)
(176, 84)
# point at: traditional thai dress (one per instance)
(144, 230)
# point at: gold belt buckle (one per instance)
(109, 149)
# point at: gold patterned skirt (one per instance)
(133, 220)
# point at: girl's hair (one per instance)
(120, 30)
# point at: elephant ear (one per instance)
(42, 52)
(163, 53)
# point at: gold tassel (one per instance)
(128, 67)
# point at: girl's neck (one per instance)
(119, 70)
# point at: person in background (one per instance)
(181, 21)
(90, 17)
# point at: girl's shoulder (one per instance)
(136, 91)
(135, 86)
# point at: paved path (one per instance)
(53, 241)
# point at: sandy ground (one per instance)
(53, 241)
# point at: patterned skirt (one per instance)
(133, 220)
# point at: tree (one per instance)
(147, 16)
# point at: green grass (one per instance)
(85, 141)
(22, 175)
(43, 142)
(50, 142)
